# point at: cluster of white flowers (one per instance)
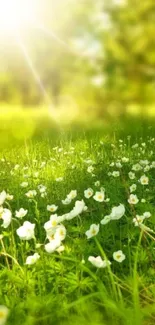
(134, 172)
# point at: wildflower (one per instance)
(2, 197)
(60, 233)
(97, 183)
(60, 249)
(31, 194)
(59, 179)
(117, 212)
(99, 196)
(51, 224)
(21, 213)
(90, 169)
(88, 193)
(133, 199)
(72, 195)
(147, 215)
(32, 259)
(105, 220)
(4, 311)
(136, 167)
(138, 220)
(118, 165)
(135, 146)
(93, 231)
(26, 232)
(52, 245)
(118, 256)
(52, 208)
(133, 188)
(131, 175)
(115, 173)
(6, 216)
(16, 167)
(78, 209)
(42, 188)
(143, 200)
(35, 174)
(9, 197)
(98, 262)
(125, 160)
(66, 201)
(144, 180)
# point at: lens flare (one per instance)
(17, 14)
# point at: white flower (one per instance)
(66, 201)
(98, 262)
(78, 209)
(138, 220)
(36, 174)
(97, 183)
(90, 169)
(2, 197)
(42, 188)
(52, 208)
(143, 200)
(6, 216)
(105, 220)
(59, 179)
(136, 145)
(118, 165)
(133, 188)
(21, 213)
(88, 193)
(52, 245)
(144, 180)
(117, 212)
(31, 194)
(125, 160)
(136, 167)
(133, 199)
(26, 232)
(118, 256)
(16, 167)
(99, 196)
(4, 311)
(9, 197)
(50, 225)
(60, 233)
(60, 249)
(131, 175)
(93, 231)
(32, 259)
(115, 173)
(147, 215)
(72, 195)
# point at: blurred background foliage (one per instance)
(88, 57)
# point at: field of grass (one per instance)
(86, 192)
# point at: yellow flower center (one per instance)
(54, 223)
(2, 314)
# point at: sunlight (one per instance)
(17, 14)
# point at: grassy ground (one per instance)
(65, 287)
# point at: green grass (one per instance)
(65, 288)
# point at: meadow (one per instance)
(77, 226)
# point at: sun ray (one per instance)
(37, 78)
(33, 70)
